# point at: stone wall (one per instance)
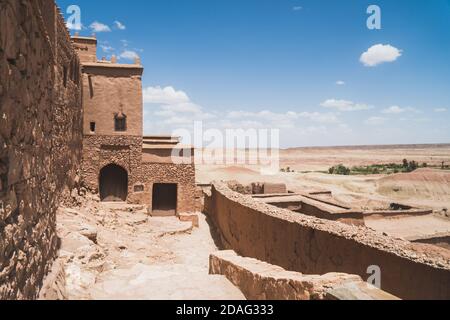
(110, 89)
(181, 174)
(317, 208)
(272, 188)
(126, 151)
(86, 48)
(100, 151)
(313, 246)
(40, 139)
(262, 281)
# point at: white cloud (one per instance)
(187, 107)
(74, 26)
(393, 110)
(128, 55)
(292, 121)
(99, 27)
(170, 109)
(297, 8)
(344, 105)
(167, 95)
(119, 25)
(399, 110)
(440, 110)
(375, 121)
(340, 83)
(320, 117)
(287, 119)
(175, 107)
(106, 48)
(380, 53)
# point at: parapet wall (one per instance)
(313, 246)
(40, 139)
(262, 281)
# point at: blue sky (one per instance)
(295, 65)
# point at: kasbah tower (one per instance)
(118, 161)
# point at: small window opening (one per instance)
(120, 122)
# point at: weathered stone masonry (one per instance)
(58, 129)
(100, 151)
(120, 163)
(40, 139)
(181, 174)
(309, 245)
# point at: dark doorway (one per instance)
(164, 199)
(113, 184)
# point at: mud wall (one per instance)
(109, 90)
(181, 174)
(100, 151)
(313, 246)
(40, 139)
(126, 151)
(315, 209)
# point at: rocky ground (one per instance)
(116, 251)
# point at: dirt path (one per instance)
(118, 252)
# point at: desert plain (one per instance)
(427, 188)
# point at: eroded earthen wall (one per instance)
(126, 152)
(312, 246)
(181, 174)
(40, 139)
(108, 91)
(100, 151)
(86, 48)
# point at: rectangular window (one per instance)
(92, 126)
(120, 124)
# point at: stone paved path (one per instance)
(137, 257)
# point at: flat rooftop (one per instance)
(163, 142)
(293, 198)
(78, 37)
(165, 146)
(412, 228)
(109, 64)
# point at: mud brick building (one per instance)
(67, 119)
(40, 139)
(118, 162)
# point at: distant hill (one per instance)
(377, 147)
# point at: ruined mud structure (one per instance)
(310, 245)
(40, 139)
(66, 121)
(69, 122)
(118, 162)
